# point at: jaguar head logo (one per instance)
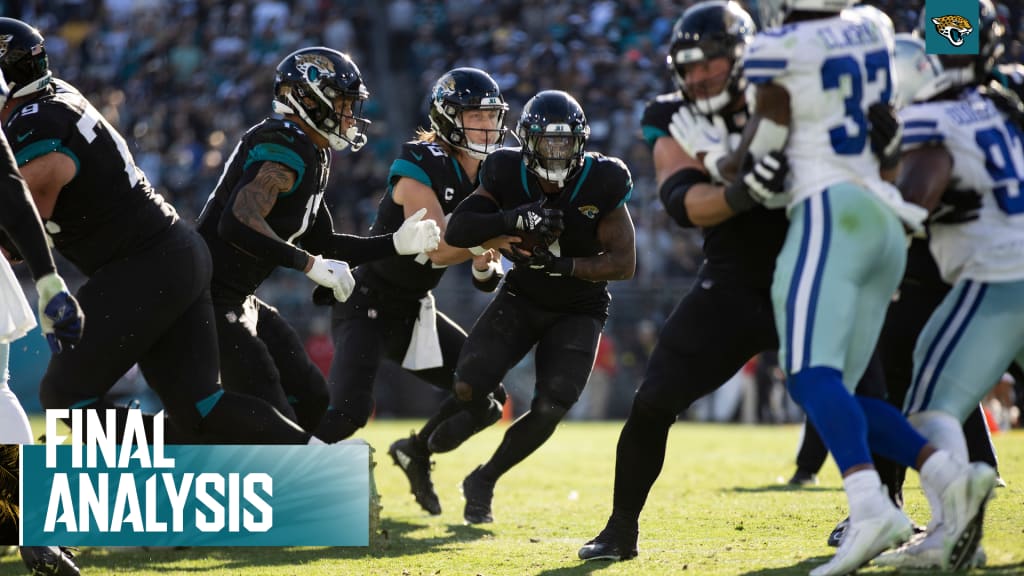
(953, 28)
(5, 41)
(590, 211)
(314, 66)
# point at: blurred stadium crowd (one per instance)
(181, 79)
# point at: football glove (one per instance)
(543, 260)
(762, 184)
(886, 134)
(60, 316)
(534, 218)
(956, 207)
(696, 135)
(416, 235)
(333, 274)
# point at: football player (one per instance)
(569, 208)
(147, 297)
(268, 210)
(842, 260)
(953, 114)
(391, 312)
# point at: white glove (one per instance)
(697, 135)
(416, 235)
(333, 274)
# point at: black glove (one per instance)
(550, 264)
(761, 183)
(886, 134)
(534, 218)
(956, 207)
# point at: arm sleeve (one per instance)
(19, 218)
(355, 250)
(475, 220)
(259, 245)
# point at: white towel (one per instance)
(424, 347)
(16, 318)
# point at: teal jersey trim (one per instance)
(458, 169)
(206, 404)
(405, 169)
(629, 194)
(522, 177)
(267, 152)
(579, 183)
(651, 134)
(42, 148)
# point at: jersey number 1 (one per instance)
(844, 73)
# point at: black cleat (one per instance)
(803, 478)
(613, 544)
(836, 537)
(49, 560)
(416, 466)
(478, 492)
(453, 431)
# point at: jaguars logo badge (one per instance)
(953, 28)
(590, 211)
(314, 66)
(5, 41)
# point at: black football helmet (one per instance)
(456, 92)
(970, 70)
(23, 58)
(710, 30)
(553, 131)
(307, 84)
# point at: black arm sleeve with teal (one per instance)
(356, 250)
(19, 218)
(259, 245)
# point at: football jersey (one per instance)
(988, 157)
(108, 210)
(833, 69)
(1011, 75)
(600, 186)
(430, 165)
(236, 273)
(745, 245)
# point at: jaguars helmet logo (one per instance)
(5, 41)
(314, 66)
(590, 211)
(953, 28)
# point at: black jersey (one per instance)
(428, 164)
(236, 273)
(744, 246)
(108, 210)
(602, 185)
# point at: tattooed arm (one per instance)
(618, 261)
(244, 223)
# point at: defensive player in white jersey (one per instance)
(956, 361)
(816, 75)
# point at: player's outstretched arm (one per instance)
(618, 261)
(412, 196)
(767, 131)
(19, 218)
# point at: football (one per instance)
(531, 240)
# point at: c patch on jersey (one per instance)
(589, 210)
(950, 26)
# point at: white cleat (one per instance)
(866, 539)
(924, 552)
(963, 513)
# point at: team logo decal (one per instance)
(5, 40)
(313, 66)
(953, 28)
(590, 211)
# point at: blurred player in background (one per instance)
(268, 202)
(569, 208)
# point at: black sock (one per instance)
(638, 461)
(523, 437)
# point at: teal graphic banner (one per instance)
(951, 26)
(164, 495)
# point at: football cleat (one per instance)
(803, 478)
(963, 513)
(49, 560)
(416, 465)
(615, 543)
(837, 533)
(866, 539)
(478, 492)
(925, 552)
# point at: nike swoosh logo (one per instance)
(21, 137)
(418, 157)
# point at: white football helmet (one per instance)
(919, 75)
(773, 12)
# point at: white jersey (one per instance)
(833, 70)
(988, 157)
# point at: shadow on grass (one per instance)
(393, 543)
(781, 488)
(581, 569)
(804, 566)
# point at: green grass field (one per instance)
(718, 508)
